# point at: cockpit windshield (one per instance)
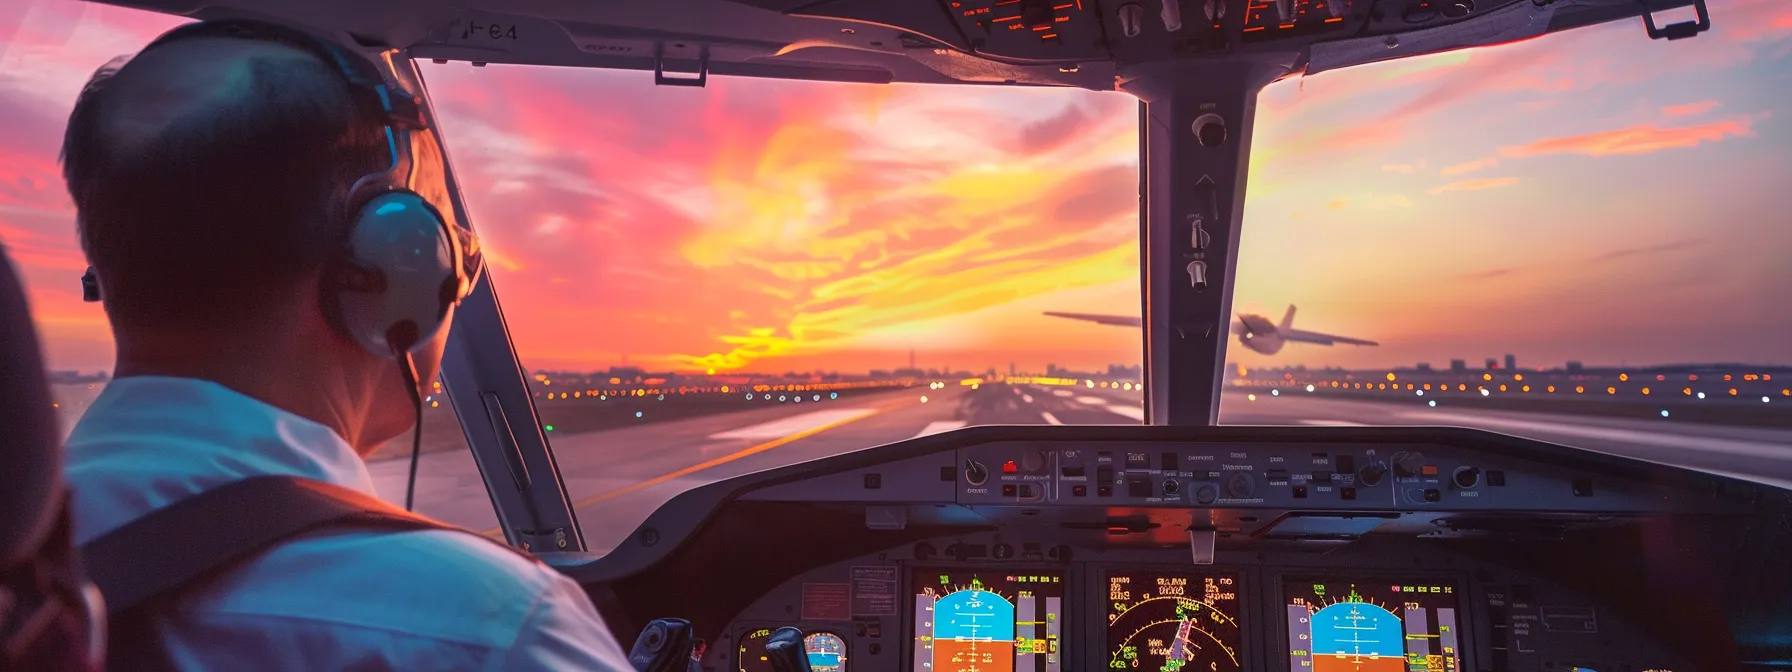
(1577, 239)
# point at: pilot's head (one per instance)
(236, 200)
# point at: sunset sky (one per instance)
(1594, 195)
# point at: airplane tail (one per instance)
(1288, 318)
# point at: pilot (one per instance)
(208, 175)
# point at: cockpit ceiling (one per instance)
(1091, 44)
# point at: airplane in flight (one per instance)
(1253, 331)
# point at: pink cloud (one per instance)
(1689, 109)
(1469, 166)
(1640, 139)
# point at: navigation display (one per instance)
(1372, 625)
(988, 621)
(1173, 621)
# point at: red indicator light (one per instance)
(1009, 467)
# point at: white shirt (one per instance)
(420, 600)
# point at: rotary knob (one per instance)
(1467, 477)
(1372, 473)
(1206, 494)
(975, 473)
(1240, 485)
(1407, 465)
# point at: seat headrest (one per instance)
(31, 484)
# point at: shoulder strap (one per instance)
(198, 538)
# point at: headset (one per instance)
(400, 264)
(403, 259)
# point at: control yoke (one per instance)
(786, 650)
(665, 645)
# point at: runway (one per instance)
(617, 477)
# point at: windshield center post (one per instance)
(1195, 126)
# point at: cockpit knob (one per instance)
(1336, 8)
(1467, 477)
(1206, 494)
(1372, 473)
(1240, 485)
(786, 652)
(1034, 460)
(975, 473)
(1407, 465)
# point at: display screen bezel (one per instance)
(1067, 619)
(1278, 596)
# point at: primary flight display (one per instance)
(988, 621)
(1372, 625)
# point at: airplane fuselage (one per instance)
(1258, 334)
(1254, 332)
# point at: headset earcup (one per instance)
(398, 256)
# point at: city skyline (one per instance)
(1592, 196)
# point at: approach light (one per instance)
(548, 427)
(1275, 393)
(923, 398)
(1432, 403)
(1309, 388)
(637, 414)
(1250, 397)
(1420, 393)
(749, 396)
(1701, 395)
(833, 395)
(1484, 392)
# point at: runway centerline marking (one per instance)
(1332, 423)
(790, 425)
(1050, 419)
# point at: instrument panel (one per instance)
(1267, 553)
(1309, 615)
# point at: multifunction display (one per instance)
(1173, 621)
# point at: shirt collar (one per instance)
(149, 441)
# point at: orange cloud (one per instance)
(1475, 184)
(1689, 109)
(1470, 166)
(1640, 139)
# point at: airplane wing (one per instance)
(1297, 336)
(1116, 320)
